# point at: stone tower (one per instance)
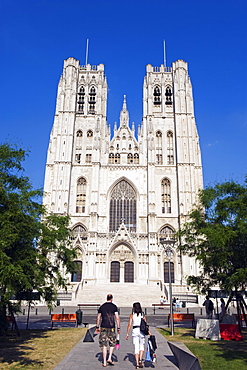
(126, 195)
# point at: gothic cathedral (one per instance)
(126, 194)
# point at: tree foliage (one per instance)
(216, 235)
(35, 249)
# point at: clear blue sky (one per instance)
(211, 35)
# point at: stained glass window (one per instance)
(123, 206)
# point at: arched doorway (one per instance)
(122, 265)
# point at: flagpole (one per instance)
(87, 51)
(165, 53)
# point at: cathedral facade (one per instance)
(126, 194)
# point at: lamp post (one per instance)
(168, 244)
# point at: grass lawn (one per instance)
(220, 355)
(37, 349)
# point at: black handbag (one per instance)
(144, 328)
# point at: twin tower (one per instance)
(126, 194)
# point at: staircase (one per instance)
(124, 295)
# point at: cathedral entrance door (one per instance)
(115, 272)
(122, 265)
(129, 272)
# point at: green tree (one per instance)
(35, 249)
(216, 235)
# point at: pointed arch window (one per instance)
(92, 100)
(77, 274)
(78, 231)
(166, 195)
(170, 155)
(81, 195)
(79, 133)
(159, 159)
(89, 133)
(111, 158)
(117, 158)
(158, 134)
(123, 206)
(159, 140)
(81, 99)
(167, 233)
(89, 158)
(158, 145)
(130, 158)
(78, 158)
(78, 140)
(157, 95)
(136, 158)
(168, 95)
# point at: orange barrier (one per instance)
(63, 317)
(183, 317)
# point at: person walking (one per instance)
(177, 304)
(222, 309)
(209, 306)
(105, 327)
(137, 335)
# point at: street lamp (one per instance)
(168, 244)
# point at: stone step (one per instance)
(123, 295)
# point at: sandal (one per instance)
(104, 365)
(140, 364)
(110, 363)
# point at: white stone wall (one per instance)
(185, 173)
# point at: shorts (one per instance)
(107, 337)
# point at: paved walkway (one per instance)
(87, 355)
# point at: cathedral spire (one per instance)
(124, 104)
(124, 115)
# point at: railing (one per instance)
(156, 69)
(93, 68)
(76, 291)
(162, 69)
(189, 298)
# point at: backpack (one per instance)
(210, 305)
(144, 327)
